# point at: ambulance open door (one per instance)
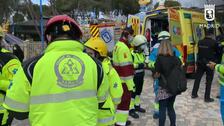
(175, 26)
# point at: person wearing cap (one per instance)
(123, 64)
(97, 48)
(206, 52)
(61, 87)
(138, 54)
(9, 65)
(164, 35)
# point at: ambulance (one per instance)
(134, 22)
(186, 26)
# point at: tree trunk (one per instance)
(28, 4)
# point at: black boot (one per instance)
(139, 109)
(194, 96)
(133, 114)
(209, 100)
(128, 123)
(156, 115)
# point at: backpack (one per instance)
(176, 82)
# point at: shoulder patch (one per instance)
(5, 57)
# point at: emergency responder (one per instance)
(8, 67)
(97, 48)
(220, 50)
(63, 86)
(164, 35)
(206, 52)
(220, 42)
(123, 64)
(140, 43)
(220, 69)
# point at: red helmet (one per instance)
(63, 23)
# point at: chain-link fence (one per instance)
(30, 49)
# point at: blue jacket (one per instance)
(153, 55)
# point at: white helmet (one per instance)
(164, 35)
(139, 40)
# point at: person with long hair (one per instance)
(165, 61)
(163, 35)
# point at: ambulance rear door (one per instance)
(175, 26)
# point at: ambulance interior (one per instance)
(153, 26)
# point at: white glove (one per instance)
(147, 59)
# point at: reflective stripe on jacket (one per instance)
(63, 87)
(123, 64)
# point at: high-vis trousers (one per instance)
(123, 107)
(135, 97)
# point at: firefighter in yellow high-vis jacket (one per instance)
(9, 64)
(62, 87)
(97, 48)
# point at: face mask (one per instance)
(140, 48)
(130, 38)
(144, 48)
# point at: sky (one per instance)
(38, 1)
